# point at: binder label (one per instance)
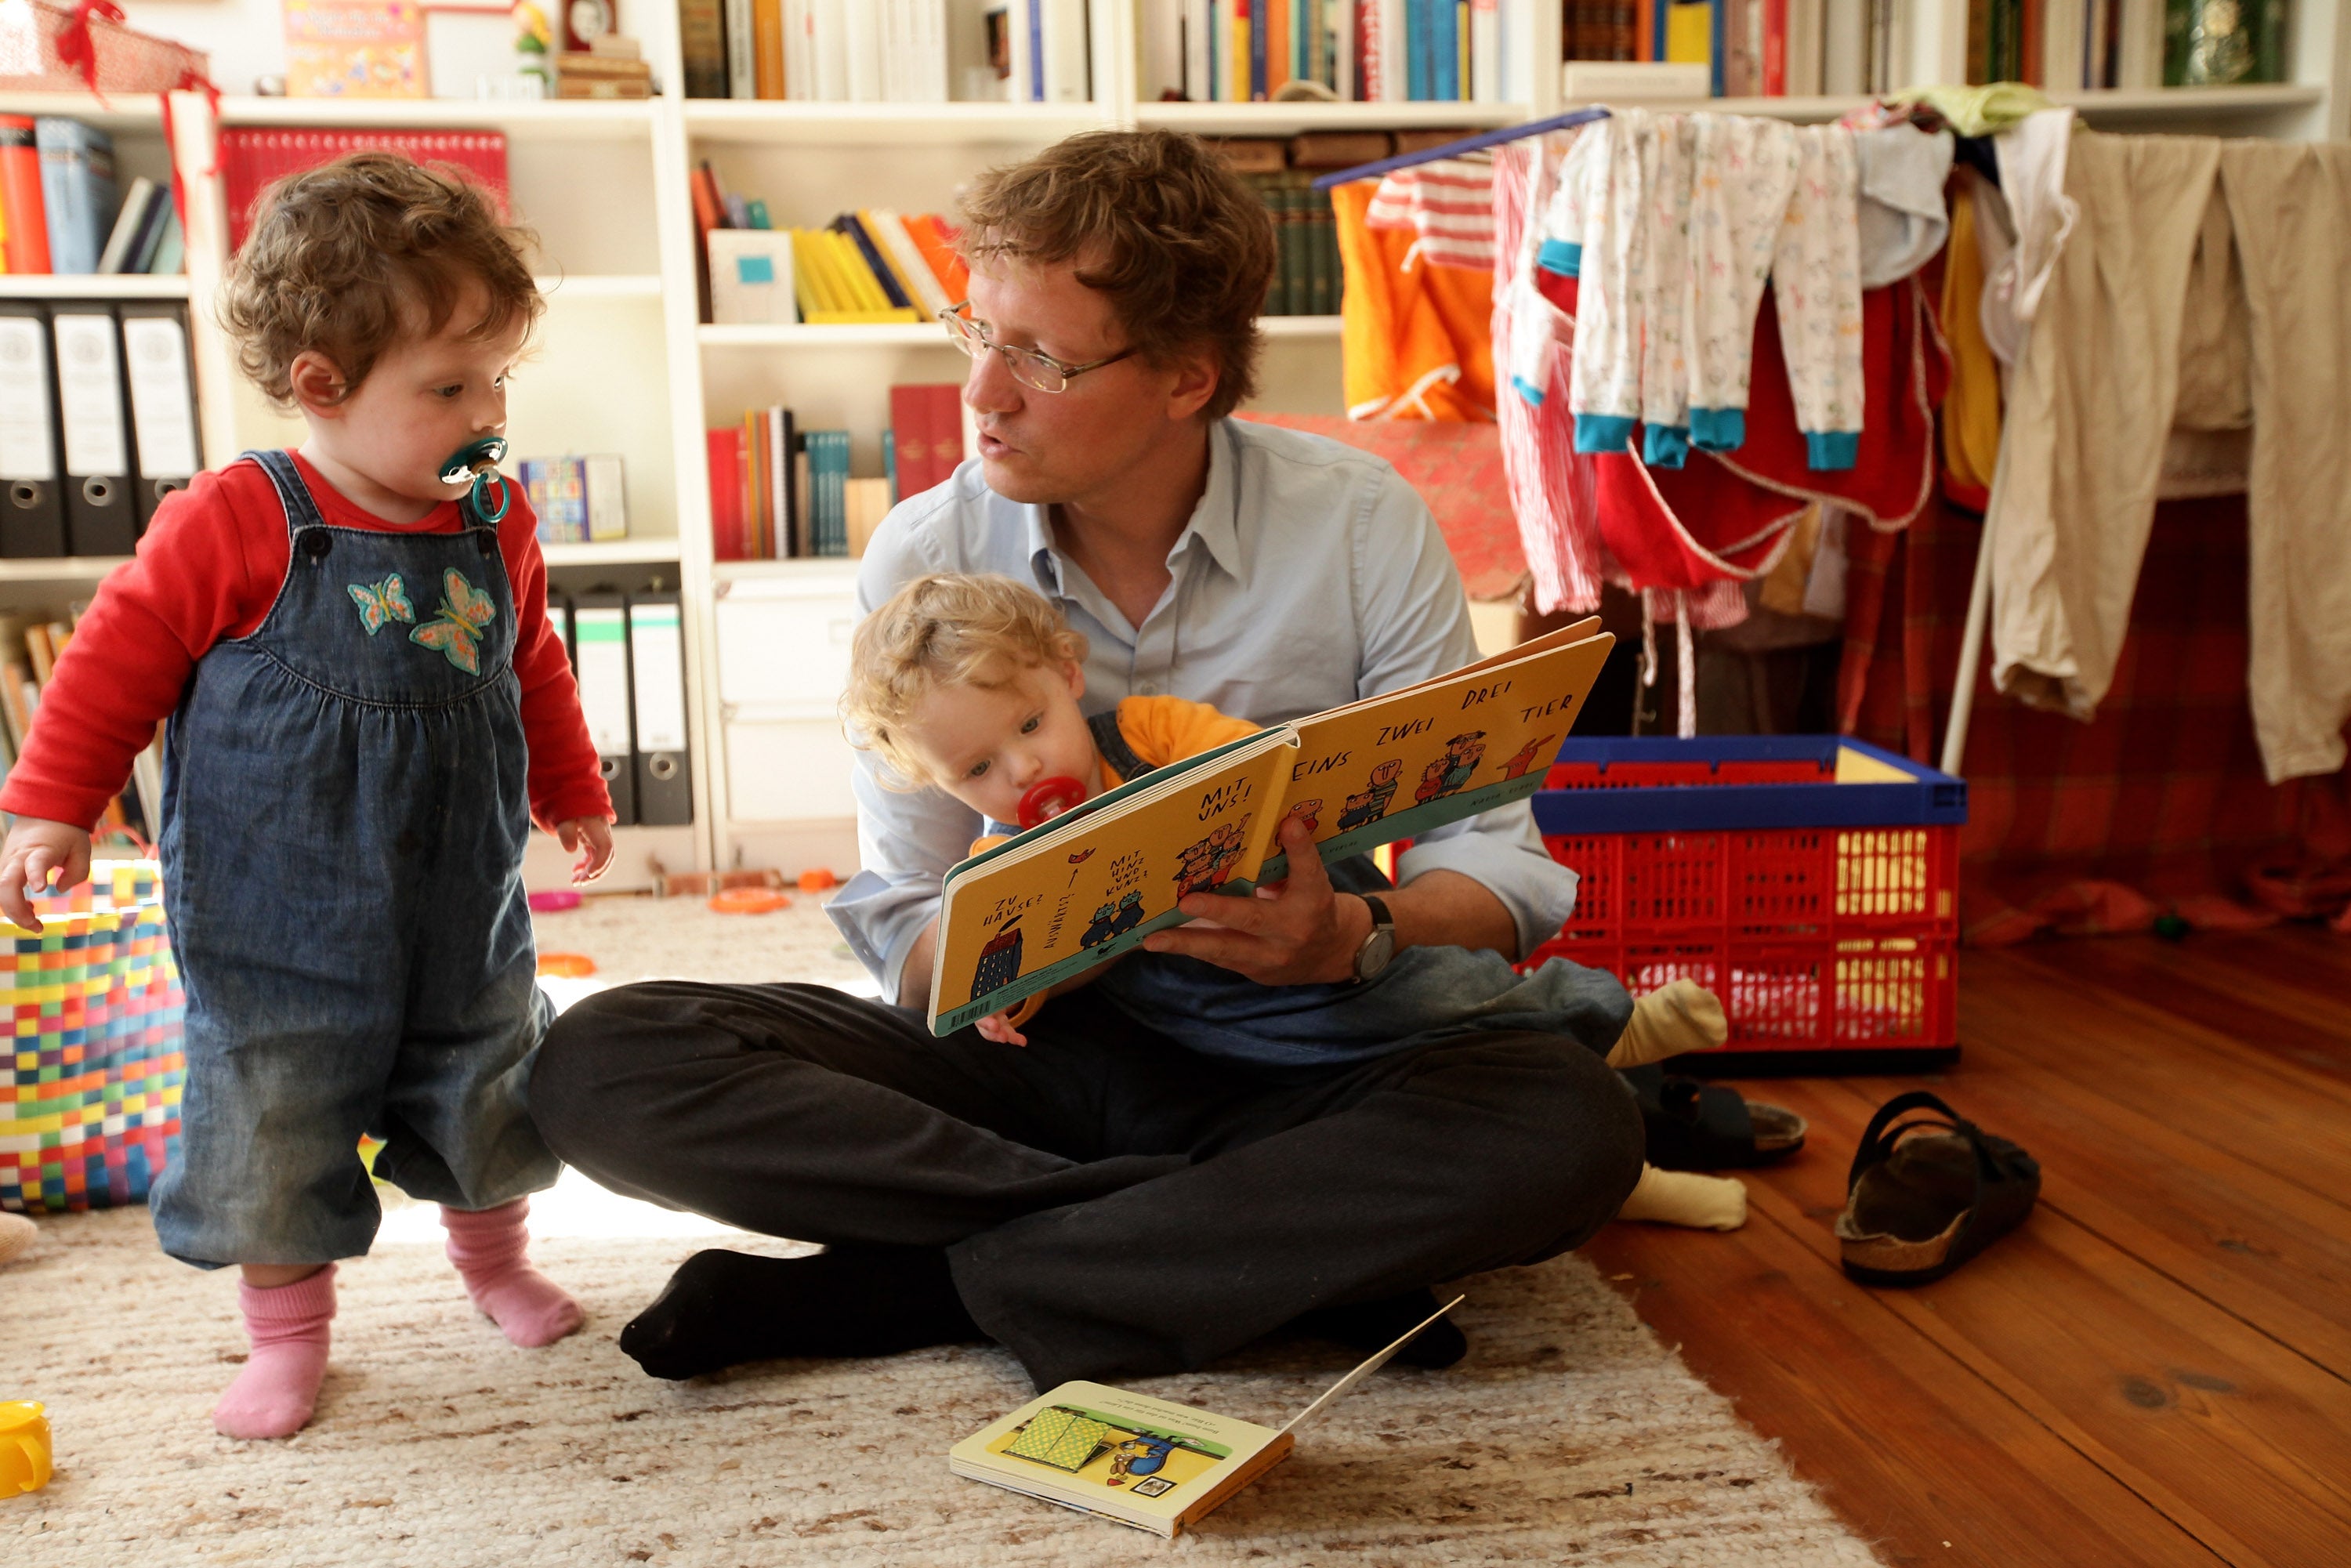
(157, 350)
(661, 677)
(28, 451)
(89, 395)
(602, 637)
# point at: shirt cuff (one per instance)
(1539, 892)
(880, 921)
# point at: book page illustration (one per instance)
(1014, 925)
(1398, 765)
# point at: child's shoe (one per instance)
(487, 1246)
(274, 1394)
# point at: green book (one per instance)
(828, 455)
(1323, 278)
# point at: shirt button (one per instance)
(1147, 689)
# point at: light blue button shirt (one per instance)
(1310, 575)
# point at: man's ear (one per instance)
(318, 384)
(1075, 673)
(1197, 376)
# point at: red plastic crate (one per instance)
(1818, 937)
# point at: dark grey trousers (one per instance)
(1110, 1202)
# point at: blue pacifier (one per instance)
(479, 463)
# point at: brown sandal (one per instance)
(1921, 1201)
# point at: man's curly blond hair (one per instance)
(949, 629)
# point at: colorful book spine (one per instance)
(828, 454)
(27, 241)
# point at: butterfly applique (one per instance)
(382, 601)
(465, 611)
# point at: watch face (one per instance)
(1373, 955)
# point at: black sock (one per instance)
(1368, 1326)
(722, 1307)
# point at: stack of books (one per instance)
(61, 210)
(874, 265)
(610, 65)
(1360, 51)
(780, 493)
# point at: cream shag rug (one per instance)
(1569, 1434)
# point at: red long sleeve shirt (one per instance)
(208, 568)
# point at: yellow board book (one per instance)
(1142, 1461)
(1089, 885)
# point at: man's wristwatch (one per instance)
(1378, 948)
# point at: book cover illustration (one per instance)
(1125, 1455)
(354, 49)
(1087, 887)
(1393, 767)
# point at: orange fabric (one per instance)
(1971, 411)
(1168, 729)
(1415, 338)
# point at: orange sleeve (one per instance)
(1168, 729)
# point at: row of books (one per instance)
(2126, 43)
(253, 158)
(874, 265)
(97, 422)
(778, 492)
(1776, 48)
(885, 51)
(627, 653)
(578, 500)
(62, 210)
(30, 645)
(1361, 51)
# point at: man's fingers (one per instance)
(1242, 955)
(1257, 916)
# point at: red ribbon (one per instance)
(75, 46)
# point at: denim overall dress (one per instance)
(345, 807)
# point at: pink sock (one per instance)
(487, 1245)
(273, 1396)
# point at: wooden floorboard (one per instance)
(2156, 1367)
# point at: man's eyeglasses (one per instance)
(1029, 368)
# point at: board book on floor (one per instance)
(1092, 883)
(1145, 1462)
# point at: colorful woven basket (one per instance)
(89, 1087)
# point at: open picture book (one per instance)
(1092, 883)
(1146, 1462)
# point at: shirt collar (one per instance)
(1213, 522)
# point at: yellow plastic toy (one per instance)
(24, 1447)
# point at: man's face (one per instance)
(1073, 446)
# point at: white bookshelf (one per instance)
(625, 366)
(96, 286)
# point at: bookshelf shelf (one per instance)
(2143, 104)
(1278, 327)
(590, 121)
(610, 552)
(807, 567)
(899, 124)
(1796, 110)
(1289, 117)
(879, 335)
(64, 569)
(92, 286)
(118, 112)
(601, 285)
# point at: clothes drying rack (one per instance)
(1484, 139)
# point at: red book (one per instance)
(252, 160)
(727, 535)
(26, 213)
(1775, 48)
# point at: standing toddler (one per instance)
(367, 707)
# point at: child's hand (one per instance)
(34, 850)
(999, 1028)
(592, 833)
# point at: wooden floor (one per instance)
(2156, 1369)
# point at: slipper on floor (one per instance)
(1694, 1126)
(1926, 1195)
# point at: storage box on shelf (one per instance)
(1808, 881)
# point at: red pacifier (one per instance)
(1047, 799)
